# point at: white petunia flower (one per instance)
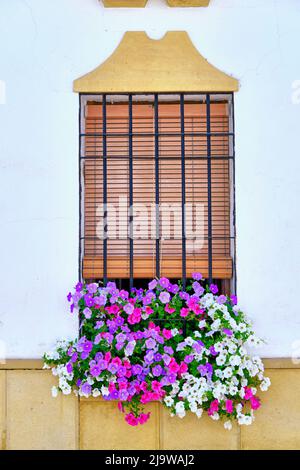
(169, 401)
(228, 425)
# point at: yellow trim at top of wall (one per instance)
(124, 3)
(141, 64)
(188, 3)
(142, 3)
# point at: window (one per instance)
(157, 192)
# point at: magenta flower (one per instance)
(229, 406)
(234, 299)
(184, 312)
(167, 333)
(255, 403)
(214, 407)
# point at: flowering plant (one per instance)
(185, 348)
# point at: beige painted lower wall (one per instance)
(31, 419)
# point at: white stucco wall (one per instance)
(44, 45)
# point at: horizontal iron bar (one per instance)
(153, 134)
(145, 157)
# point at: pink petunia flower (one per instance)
(229, 406)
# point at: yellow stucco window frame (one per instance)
(142, 3)
(140, 64)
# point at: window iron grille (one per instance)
(196, 146)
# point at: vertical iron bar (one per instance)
(209, 208)
(104, 156)
(183, 235)
(233, 202)
(80, 194)
(157, 224)
(130, 193)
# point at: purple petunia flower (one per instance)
(122, 371)
(148, 298)
(74, 357)
(119, 321)
(137, 369)
(114, 395)
(69, 367)
(157, 371)
(92, 288)
(150, 343)
(197, 276)
(100, 300)
(164, 297)
(188, 358)
(103, 364)
(86, 388)
(164, 282)
(174, 288)
(213, 352)
(78, 286)
(157, 357)
(149, 357)
(206, 370)
(69, 297)
(227, 332)
(124, 294)
(221, 299)
(98, 356)
(197, 347)
(171, 378)
(152, 284)
(184, 295)
(87, 312)
(89, 301)
(112, 368)
(214, 289)
(234, 299)
(169, 350)
(95, 371)
(128, 308)
(166, 359)
(129, 348)
(123, 395)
